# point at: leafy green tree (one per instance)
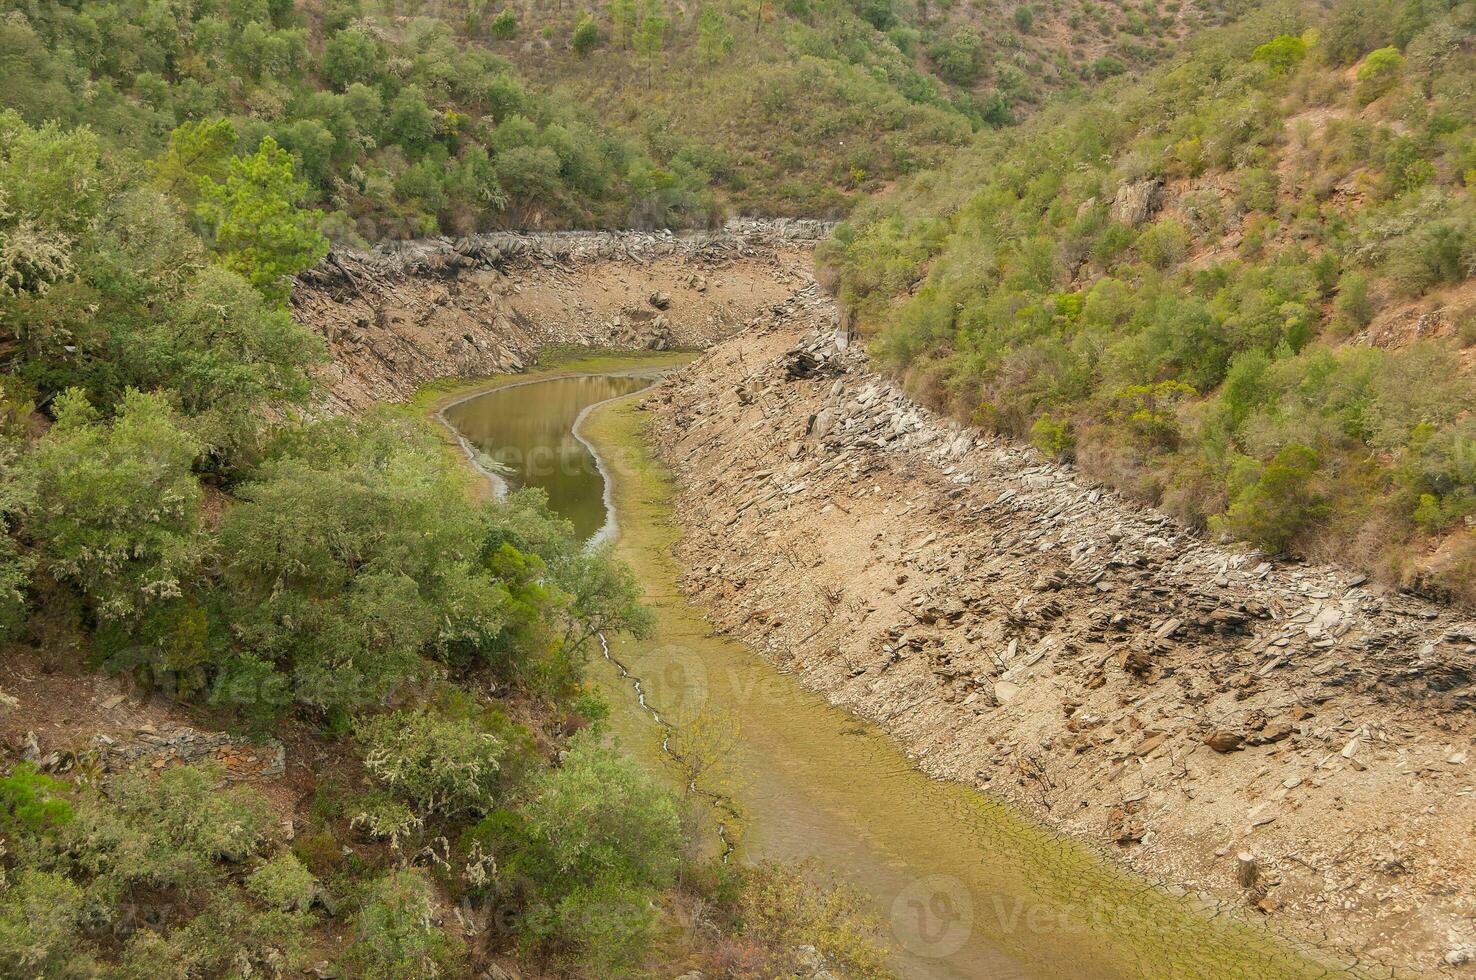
(1281, 503)
(586, 36)
(505, 25)
(348, 568)
(599, 818)
(714, 40)
(411, 122)
(258, 229)
(352, 55)
(1379, 73)
(198, 155)
(651, 38)
(1282, 53)
(225, 354)
(117, 511)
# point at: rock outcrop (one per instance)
(409, 313)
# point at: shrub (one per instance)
(1353, 304)
(283, 883)
(117, 511)
(505, 25)
(32, 800)
(1164, 244)
(1052, 437)
(445, 766)
(1281, 53)
(598, 818)
(186, 811)
(40, 913)
(606, 927)
(397, 935)
(586, 36)
(1379, 73)
(1280, 504)
(785, 907)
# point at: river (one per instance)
(967, 887)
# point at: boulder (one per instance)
(1137, 201)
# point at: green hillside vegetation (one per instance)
(803, 107)
(332, 579)
(405, 120)
(1240, 289)
(397, 128)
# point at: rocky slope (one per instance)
(1213, 718)
(414, 312)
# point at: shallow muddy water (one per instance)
(523, 435)
(965, 886)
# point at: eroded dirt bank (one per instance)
(414, 312)
(1201, 712)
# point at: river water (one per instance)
(966, 887)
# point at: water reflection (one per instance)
(524, 435)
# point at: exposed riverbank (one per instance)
(1022, 630)
(424, 312)
(970, 888)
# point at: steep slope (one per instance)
(1240, 289)
(1027, 631)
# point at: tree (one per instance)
(598, 818)
(586, 36)
(351, 55)
(1280, 504)
(505, 25)
(411, 122)
(224, 354)
(651, 37)
(118, 509)
(622, 21)
(396, 937)
(1281, 53)
(199, 154)
(714, 40)
(258, 229)
(1379, 73)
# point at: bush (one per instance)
(1282, 53)
(785, 907)
(1353, 304)
(606, 928)
(1379, 73)
(586, 36)
(505, 25)
(40, 915)
(32, 800)
(1164, 244)
(598, 818)
(397, 933)
(1280, 504)
(118, 507)
(283, 883)
(445, 766)
(1052, 437)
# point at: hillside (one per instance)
(282, 692)
(406, 121)
(1239, 289)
